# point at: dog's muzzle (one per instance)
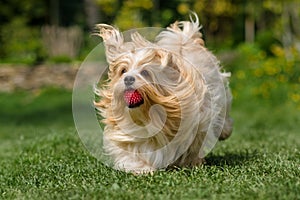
(133, 98)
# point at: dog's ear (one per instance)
(113, 40)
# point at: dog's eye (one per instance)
(145, 73)
(123, 71)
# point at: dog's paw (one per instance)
(145, 170)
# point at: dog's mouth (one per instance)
(133, 98)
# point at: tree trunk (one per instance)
(54, 12)
(92, 13)
(249, 29)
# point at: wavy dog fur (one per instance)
(184, 95)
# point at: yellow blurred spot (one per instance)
(277, 50)
(108, 6)
(295, 97)
(258, 72)
(234, 93)
(147, 4)
(199, 6)
(282, 79)
(183, 8)
(241, 75)
(262, 55)
(271, 68)
(289, 67)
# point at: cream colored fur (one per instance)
(186, 97)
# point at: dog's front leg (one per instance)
(134, 164)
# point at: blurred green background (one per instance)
(257, 40)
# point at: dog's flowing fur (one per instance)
(184, 92)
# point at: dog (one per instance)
(162, 98)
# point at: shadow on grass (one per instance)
(227, 159)
(231, 159)
(41, 116)
(48, 107)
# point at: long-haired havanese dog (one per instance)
(164, 101)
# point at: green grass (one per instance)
(42, 157)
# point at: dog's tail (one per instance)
(181, 34)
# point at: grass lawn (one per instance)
(42, 157)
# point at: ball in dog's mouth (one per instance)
(133, 98)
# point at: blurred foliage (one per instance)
(22, 44)
(261, 37)
(33, 11)
(220, 18)
(60, 59)
(21, 22)
(274, 79)
(272, 24)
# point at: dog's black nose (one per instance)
(129, 80)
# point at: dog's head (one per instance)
(141, 75)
